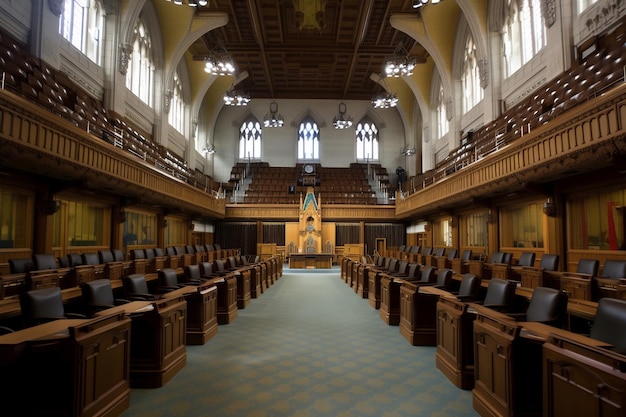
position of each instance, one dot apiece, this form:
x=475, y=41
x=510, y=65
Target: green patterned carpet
x=308, y=347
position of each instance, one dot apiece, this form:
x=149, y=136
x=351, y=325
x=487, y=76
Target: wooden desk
x=157, y=350
x=311, y=260
x=582, y=379
x=418, y=313
x=390, y=299
x=75, y=367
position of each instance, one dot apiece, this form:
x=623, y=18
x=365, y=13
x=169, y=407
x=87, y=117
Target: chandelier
x=419, y=3
x=384, y=100
x=342, y=120
x=219, y=62
x=273, y=118
x=191, y=3
x=236, y=98
x=399, y=64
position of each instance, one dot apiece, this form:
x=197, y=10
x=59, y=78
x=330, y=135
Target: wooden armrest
x=576, y=275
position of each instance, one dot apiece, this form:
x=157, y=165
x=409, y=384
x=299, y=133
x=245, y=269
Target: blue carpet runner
x=307, y=347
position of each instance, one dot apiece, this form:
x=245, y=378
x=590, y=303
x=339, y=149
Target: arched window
x=176, y=116
x=82, y=24
x=524, y=33
x=443, y=125
x=140, y=75
x=308, y=140
x=470, y=77
x=250, y=139
x=366, y=140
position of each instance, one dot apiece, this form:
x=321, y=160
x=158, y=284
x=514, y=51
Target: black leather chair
x=136, y=288
x=206, y=270
x=168, y=280
x=43, y=261
x=500, y=295
x=547, y=306
x=106, y=256
x=402, y=269
x=526, y=259
x=43, y=305
x=428, y=276
x=468, y=289
x=98, y=296
x=444, y=279
x=579, y=284
x=610, y=323
x=193, y=274
x=21, y=265
x=91, y=258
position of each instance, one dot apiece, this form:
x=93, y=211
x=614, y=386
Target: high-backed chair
x=448, y=259
x=206, y=270
x=428, y=276
x=168, y=280
x=193, y=274
x=136, y=288
x=547, y=306
x=610, y=323
x=612, y=280
x=43, y=261
x=21, y=265
x=499, y=295
x=579, y=284
x=98, y=295
x=43, y=305
x=468, y=289
x=444, y=279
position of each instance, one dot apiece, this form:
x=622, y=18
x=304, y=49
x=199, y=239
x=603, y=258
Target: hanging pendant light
x=273, y=118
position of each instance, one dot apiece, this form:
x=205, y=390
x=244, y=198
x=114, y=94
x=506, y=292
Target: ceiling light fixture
x=273, y=118
x=420, y=3
x=191, y=3
x=310, y=15
x=399, y=64
x=236, y=98
x=383, y=98
x=342, y=120
x=219, y=62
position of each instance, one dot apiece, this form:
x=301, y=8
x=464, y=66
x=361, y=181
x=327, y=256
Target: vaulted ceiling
x=333, y=60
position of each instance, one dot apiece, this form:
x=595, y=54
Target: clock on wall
x=308, y=169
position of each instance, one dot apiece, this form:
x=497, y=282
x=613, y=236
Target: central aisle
x=308, y=346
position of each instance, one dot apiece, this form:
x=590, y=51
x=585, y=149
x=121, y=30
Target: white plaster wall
x=279, y=145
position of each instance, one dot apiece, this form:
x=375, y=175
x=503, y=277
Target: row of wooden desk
x=514, y=368
x=86, y=367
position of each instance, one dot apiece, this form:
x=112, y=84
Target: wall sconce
x=549, y=208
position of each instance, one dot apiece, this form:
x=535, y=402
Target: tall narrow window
x=443, y=125
x=176, y=116
x=524, y=33
x=366, y=141
x=250, y=139
x=470, y=78
x=308, y=140
x=140, y=74
x=82, y=24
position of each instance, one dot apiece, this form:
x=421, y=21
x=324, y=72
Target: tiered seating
x=596, y=72
x=29, y=77
x=271, y=185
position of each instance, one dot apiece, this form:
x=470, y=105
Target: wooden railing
x=584, y=136
x=52, y=146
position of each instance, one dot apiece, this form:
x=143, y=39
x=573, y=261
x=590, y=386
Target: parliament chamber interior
x=481, y=212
